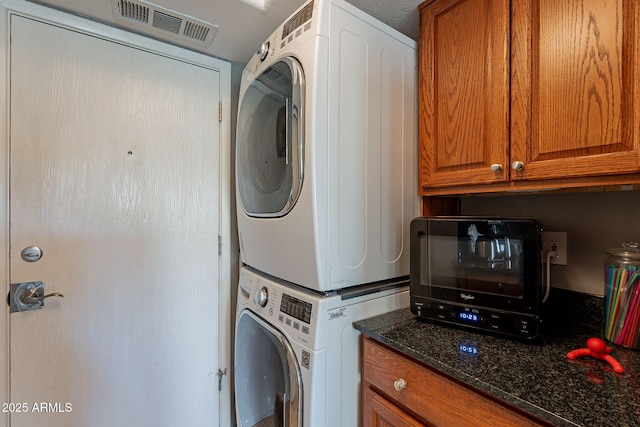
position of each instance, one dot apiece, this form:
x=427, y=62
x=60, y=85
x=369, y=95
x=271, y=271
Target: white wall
x=594, y=222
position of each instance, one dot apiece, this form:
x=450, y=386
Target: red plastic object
x=597, y=349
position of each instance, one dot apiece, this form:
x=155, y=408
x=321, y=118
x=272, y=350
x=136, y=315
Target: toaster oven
x=479, y=273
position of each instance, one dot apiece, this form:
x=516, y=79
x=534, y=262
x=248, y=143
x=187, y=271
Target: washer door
x=270, y=140
x=268, y=384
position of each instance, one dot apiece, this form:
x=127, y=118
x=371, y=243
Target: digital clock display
x=468, y=349
x=469, y=317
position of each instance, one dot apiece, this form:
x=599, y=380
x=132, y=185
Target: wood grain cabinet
x=398, y=391
x=528, y=94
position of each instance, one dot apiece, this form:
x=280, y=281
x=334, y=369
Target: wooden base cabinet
x=528, y=94
x=379, y=412
x=398, y=391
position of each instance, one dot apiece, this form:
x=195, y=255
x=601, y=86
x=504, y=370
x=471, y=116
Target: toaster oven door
x=488, y=262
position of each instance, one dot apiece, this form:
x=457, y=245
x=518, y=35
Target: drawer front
x=430, y=395
x=379, y=412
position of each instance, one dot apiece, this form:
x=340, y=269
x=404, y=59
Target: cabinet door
x=378, y=412
x=464, y=92
x=574, y=88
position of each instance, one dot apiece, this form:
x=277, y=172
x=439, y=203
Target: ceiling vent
x=165, y=24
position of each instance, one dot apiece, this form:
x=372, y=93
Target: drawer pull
x=400, y=384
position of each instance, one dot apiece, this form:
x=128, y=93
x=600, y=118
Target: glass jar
x=622, y=295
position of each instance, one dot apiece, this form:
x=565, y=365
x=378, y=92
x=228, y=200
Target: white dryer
x=297, y=355
x=326, y=164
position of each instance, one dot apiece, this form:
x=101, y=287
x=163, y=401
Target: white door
x=114, y=168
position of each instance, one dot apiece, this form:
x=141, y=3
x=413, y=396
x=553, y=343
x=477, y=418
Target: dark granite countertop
x=538, y=379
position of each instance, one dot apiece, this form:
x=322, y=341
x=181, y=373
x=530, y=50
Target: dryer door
x=268, y=383
x=270, y=140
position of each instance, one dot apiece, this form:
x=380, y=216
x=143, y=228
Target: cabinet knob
x=400, y=384
x=496, y=167
x=517, y=165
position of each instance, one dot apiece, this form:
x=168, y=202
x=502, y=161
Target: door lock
x=28, y=296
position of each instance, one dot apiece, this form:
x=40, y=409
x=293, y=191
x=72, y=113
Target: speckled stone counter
x=538, y=379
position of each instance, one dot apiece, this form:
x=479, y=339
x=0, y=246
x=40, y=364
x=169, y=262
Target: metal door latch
x=27, y=296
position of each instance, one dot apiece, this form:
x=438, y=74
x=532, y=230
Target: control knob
x=264, y=50
x=262, y=296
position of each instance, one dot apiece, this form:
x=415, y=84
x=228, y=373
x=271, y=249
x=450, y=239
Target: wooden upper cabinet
x=574, y=88
x=463, y=102
x=547, y=89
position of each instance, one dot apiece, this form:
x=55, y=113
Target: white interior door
x=114, y=168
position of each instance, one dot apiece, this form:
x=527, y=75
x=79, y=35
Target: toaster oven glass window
x=474, y=260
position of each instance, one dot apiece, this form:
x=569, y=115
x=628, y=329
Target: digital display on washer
x=294, y=307
x=296, y=20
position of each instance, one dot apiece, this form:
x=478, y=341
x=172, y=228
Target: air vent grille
x=133, y=11
x=167, y=22
x=196, y=31
x=158, y=22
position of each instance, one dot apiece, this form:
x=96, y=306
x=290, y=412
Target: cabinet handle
x=517, y=165
x=496, y=167
x=400, y=384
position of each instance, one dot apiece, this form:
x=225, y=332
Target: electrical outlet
x=555, y=241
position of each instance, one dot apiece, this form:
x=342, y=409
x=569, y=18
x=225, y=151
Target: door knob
x=28, y=296
x=33, y=297
x=496, y=167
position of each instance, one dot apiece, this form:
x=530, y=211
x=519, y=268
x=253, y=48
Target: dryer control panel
x=303, y=15
x=287, y=35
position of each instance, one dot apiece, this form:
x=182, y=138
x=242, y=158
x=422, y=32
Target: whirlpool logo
x=467, y=297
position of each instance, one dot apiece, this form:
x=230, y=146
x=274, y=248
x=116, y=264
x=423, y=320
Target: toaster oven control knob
x=262, y=296
x=517, y=165
x=400, y=384
x=496, y=168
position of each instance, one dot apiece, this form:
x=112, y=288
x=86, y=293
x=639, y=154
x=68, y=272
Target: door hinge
x=219, y=245
x=221, y=373
x=219, y=111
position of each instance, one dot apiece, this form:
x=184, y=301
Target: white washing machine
x=297, y=357
x=326, y=150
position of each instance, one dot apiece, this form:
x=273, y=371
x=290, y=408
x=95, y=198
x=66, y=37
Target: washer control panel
x=288, y=308
x=295, y=312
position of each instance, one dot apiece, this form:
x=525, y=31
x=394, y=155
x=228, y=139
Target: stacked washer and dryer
x=326, y=176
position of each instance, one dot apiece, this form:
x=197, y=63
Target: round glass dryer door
x=270, y=142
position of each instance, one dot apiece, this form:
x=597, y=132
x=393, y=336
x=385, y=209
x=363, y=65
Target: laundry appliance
x=297, y=357
x=326, y=165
